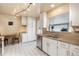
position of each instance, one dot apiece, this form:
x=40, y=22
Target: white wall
x=5, y=28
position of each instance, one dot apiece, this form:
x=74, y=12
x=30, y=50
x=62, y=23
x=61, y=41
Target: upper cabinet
x=74, y=17
x=63, y=49
x=50, y=46
x=74, y=14
x=24, y=20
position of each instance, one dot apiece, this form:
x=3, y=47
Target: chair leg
x=18, y=40
x=7, y=41
x=13, y=41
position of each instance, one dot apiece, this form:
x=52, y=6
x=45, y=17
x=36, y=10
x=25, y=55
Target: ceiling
x=13, y=8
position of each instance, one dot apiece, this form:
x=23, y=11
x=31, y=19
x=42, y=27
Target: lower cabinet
x=50, y=46
x=74, y=53
x=74, y=50
x=57, y=48
x=63, y=49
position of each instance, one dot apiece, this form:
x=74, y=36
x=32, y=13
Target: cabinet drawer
x=53, y=41
x=62, y=44
x=74, y=47
x=44, y=38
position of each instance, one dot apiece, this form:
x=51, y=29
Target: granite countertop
x=67, y=37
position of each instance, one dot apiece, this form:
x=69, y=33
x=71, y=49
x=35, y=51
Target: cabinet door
x=52, y=47
x=74, y=14
x=45, y=45
x=63, y=49
x=74, y=53
x=74, y=50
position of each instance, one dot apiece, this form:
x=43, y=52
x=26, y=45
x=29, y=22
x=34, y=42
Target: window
x=59, y=23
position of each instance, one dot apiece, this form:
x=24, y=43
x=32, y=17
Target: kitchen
x=59, y=36
x=53, y=27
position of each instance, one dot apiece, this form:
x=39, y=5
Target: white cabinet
x=24, y=20
x=53, y=48
x=24, y=37
x=74, y=50
x=63, y=49
x=74, y=14
x=50, y=46
x=74, y=53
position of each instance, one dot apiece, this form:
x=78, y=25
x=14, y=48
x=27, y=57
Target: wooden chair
x=17, y=38
x=5, y=41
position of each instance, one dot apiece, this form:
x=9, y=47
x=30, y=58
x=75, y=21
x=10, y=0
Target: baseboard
x=29, y=41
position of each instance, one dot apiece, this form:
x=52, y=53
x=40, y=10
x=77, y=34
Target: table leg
x=2, y=45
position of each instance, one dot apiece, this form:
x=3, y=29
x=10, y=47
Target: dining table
x=11, y=38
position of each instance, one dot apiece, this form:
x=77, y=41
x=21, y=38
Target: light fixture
x=27, y=8
x=52, y=5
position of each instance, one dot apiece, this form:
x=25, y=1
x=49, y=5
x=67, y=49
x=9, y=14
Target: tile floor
x=23, y=49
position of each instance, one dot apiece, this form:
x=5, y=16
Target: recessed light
x=33, y=3
x=28, y=9
x=14, y=16
x=52, y=5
